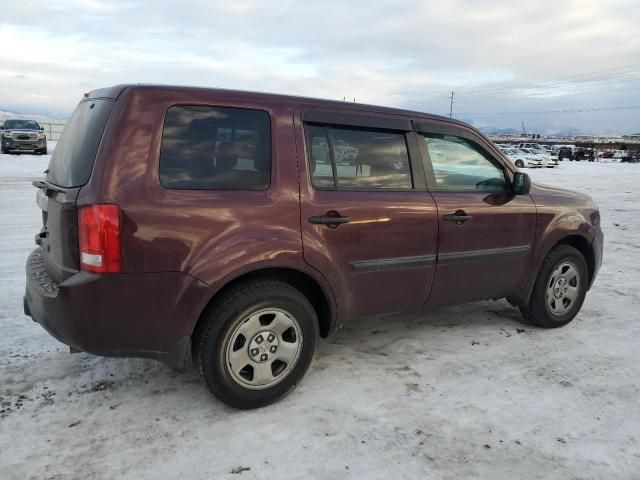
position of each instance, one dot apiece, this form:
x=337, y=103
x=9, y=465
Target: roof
x=115, y=91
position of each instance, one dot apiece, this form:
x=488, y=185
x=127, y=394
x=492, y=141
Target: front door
x=486, y=232
x=368, y=223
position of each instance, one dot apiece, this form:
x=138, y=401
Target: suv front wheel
x=257, y=343
x=559, y=290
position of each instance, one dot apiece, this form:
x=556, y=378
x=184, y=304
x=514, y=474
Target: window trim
x=271, y=150
x=414, y=163
x=356, y=119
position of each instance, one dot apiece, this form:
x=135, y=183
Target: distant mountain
x=22, y=116
x=563, y=132
x=499, y=131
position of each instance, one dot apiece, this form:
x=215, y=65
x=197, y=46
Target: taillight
x=99, y=234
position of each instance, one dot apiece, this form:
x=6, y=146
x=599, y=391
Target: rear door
x=368, y=223
x=486, y=232
x=69, y=169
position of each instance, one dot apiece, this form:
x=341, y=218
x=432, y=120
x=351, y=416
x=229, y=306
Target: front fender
x=560, y=216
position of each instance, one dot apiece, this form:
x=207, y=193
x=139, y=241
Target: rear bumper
x=123, y=315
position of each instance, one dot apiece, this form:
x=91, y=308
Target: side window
x=459, y=165
x=348, y=158
x=215, y=148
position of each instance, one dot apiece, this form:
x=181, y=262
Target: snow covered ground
x=462, y=392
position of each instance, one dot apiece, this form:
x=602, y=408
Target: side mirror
x=42, y=129
x=521, y=183
x=2, y=127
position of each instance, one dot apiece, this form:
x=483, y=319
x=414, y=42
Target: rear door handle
x=459, y=217
x=331, y=219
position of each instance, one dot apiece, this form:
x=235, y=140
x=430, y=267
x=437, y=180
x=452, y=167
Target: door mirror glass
x=521, y=183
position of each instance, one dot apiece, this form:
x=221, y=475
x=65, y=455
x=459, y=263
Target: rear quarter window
x=75, y=153
x=215, y=148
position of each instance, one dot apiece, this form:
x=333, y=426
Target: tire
x=550, y=306
x=241, y=324
x=43, y=151
x=519, y=164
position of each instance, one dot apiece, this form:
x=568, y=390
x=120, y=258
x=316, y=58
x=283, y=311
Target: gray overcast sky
x=390, y=53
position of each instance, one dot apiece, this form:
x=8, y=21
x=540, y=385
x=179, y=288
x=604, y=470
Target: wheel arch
x=319, y=295
x=585, y=247
x=575, y=240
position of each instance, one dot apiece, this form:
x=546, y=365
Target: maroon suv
x=233, y=229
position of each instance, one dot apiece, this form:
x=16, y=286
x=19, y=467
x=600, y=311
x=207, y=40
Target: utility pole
x=524, y=131
x=451, y=105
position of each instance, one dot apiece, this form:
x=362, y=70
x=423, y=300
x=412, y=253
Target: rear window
x=215, y=148
x=75, y=153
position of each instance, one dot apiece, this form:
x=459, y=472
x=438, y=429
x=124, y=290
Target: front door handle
x=331, y=219
x=459, y=217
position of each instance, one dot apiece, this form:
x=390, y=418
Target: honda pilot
x=231, y=230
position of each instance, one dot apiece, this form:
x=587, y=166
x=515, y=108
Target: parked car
x=23, y=136
x=535, y=146
x=520, y=159
x=631, y=157
x=539, y=150
x=545, y=159
x=216, y=227
x=565, y=152
x=583, y=153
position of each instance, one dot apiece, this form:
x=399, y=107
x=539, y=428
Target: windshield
x=21, y=125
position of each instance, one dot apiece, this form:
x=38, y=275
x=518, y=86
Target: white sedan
x=521, y=159
x=546, y=159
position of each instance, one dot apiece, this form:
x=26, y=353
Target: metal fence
x=53, y=130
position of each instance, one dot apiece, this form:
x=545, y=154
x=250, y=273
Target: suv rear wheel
x=257, y=343
x=559, y=290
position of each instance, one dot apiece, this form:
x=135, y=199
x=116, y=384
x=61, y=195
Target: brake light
x=99, y=234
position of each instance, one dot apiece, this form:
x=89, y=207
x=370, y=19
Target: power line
x=591, y=92
x=632, y=77
x=604, y=74
x=609, y=71
x=576, y=110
